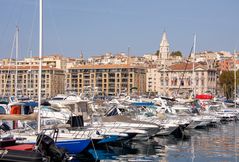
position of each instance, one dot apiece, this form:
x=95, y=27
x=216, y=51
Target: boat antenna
x=40, y=63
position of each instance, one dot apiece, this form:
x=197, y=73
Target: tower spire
x=81, y=55
x=164, y=47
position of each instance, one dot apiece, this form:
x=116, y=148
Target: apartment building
x=8, y=62
x=152, y=77
x=109, y=58
x=56, y=61
x=209, y=56
x=178, y=78
x=53, y=81
x=109, y=80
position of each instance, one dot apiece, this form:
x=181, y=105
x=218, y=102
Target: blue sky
x=99, y=26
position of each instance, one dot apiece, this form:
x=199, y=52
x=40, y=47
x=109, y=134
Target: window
x=162, y=83
x=182, y=83
x=197, y=82
x=189, y=81
x=202, y=82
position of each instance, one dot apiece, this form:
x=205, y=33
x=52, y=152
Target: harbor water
x=217, y=143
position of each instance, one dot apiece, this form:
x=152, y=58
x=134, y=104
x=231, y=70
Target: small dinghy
x=20, y=156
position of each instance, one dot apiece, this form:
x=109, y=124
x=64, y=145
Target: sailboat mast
x=17, y=50
x=40, y=62
x=235, y=79
x=193, y=78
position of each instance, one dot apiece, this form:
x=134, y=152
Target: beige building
x=108, y=79
x=152, y=77
x=56, y=61
x=178, y=78
x=7, y=62
x=209, y=56
x=109, y=58
x=27, y=81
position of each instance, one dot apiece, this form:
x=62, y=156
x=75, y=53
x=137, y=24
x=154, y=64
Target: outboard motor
x=47, y=147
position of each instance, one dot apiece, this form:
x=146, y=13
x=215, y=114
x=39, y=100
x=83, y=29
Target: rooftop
x=27, y=68
x=185, y=66
x=105, y=66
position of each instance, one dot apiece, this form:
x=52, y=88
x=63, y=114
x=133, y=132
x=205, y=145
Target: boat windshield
x=2, y=110
x=49, y=109
x=4, y=100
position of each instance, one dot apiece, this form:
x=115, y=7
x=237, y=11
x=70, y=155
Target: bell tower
x=164, y=47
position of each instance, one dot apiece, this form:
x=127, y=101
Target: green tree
x=176, y=53
x=157, y=53
x=226, y=81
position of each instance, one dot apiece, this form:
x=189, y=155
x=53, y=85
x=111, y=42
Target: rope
x=94, y=148
x=31, y=33
x=8, y=70
x=10, y=17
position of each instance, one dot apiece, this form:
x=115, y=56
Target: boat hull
x=73, y=146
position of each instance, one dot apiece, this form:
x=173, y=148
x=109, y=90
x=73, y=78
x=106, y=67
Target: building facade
x=152, y=77
x=27, y=81
x=108, y=80
x=178, y=78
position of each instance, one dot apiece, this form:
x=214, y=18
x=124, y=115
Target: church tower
x=81, y=55
x=164, y=47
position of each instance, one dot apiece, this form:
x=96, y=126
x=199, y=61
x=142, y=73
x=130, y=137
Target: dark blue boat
x=73, y=146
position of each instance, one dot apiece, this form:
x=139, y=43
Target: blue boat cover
x=143, y=103
x=30, y=103
x=109, y=139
